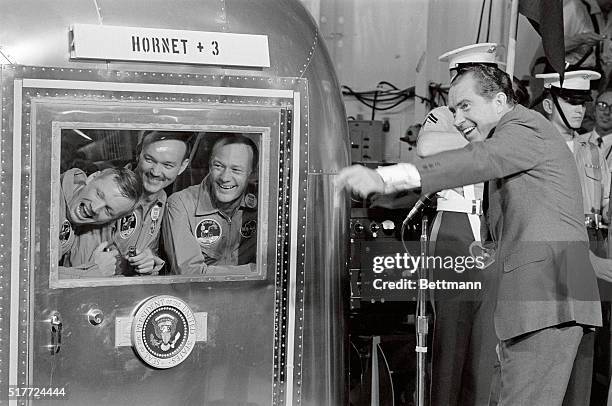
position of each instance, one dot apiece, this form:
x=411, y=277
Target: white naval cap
x=470, y=54
x=574, y=80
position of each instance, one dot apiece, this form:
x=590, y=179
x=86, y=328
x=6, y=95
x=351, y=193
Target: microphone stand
x=422, y=320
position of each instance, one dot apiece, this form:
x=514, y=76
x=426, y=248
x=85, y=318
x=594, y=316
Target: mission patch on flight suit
x=66, y=233
x=248, y=229
x=127, y=225
x=208, y=232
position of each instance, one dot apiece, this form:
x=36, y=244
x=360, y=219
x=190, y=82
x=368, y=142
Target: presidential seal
x=208, y=231
x=163, y=331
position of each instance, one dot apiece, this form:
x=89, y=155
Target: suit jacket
x=534, y=214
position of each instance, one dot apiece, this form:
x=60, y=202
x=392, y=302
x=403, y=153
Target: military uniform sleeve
x=513, y=148
x=430, y=143
x=181, y=248
x=399, y=177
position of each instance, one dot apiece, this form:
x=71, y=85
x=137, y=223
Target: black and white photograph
x=306, y=202
x=157, y=202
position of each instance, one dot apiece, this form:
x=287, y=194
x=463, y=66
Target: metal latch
x=56, y=333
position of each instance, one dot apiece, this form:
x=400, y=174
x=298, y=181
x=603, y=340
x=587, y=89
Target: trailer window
x=197, y=215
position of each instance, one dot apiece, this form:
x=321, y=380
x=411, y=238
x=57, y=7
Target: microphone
x=424, y=201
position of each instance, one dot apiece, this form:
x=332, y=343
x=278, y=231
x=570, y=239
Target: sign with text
x=172, y=46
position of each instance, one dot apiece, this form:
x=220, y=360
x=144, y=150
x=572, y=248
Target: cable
x=437, y=93
x=384, y=82
x=381, y=100
x=441, y=95
x=402, y=231
x=387, y=95
x=379, y=86
x=374, y=106
x=392, y=106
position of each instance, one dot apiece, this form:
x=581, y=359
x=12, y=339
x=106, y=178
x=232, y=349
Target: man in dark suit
x=462, y=338
x=547, y=289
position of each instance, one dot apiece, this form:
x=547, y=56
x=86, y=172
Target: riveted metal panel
x=41, y=106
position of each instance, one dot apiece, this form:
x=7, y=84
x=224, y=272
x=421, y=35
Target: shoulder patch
x=65, y=233
x=439, y=119
x=127, y=225
x=431, y=118
x=250, y=200
x=249, y=229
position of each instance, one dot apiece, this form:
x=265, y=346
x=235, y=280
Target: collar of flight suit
x=160, y=197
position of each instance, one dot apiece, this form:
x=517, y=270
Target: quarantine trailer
x=82, y=81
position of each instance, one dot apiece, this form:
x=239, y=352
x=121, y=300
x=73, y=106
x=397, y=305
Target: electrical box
x=367, y=142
